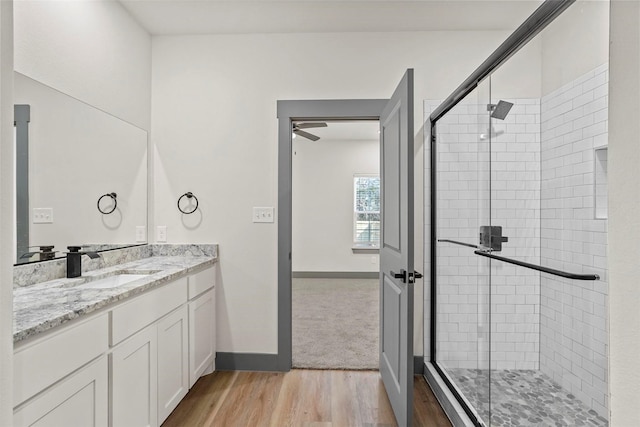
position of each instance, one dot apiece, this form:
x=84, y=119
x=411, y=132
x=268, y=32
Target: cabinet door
x=134, y=371
x=202, y=335
x=78, y=400
x=173, y=361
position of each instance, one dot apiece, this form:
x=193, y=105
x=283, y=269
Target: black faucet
x=46, y=252
x=74, y=260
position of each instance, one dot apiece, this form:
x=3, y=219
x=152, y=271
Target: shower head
x=500, y=110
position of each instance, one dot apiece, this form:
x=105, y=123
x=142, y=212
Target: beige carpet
x=335, y=323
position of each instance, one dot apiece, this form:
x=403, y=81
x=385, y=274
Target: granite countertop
x=43, y=306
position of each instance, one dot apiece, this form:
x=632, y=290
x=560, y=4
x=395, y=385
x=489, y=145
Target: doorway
x=335, y=244
x=288, y=113
x=397, y=276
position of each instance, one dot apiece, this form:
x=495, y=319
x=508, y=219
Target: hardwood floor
x=299, y=398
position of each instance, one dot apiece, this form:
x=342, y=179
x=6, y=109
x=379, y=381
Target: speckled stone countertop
x=43, y=306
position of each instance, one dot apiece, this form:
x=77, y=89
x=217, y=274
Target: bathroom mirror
x=76, y=154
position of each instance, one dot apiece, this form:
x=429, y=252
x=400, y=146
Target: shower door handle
x=402, y=275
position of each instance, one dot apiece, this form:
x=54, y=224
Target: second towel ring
x=114, y=197
x=188, y=195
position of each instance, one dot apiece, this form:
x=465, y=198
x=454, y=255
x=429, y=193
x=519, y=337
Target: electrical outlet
x=141, y=233
x=43, y=215
x=161, y=234
x=263, y=214
x=374, y=260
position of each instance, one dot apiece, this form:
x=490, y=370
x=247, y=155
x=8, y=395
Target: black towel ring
x=188, y=195
x=114, y=197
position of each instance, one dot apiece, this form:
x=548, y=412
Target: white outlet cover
x=161, y=233
x=141, y=233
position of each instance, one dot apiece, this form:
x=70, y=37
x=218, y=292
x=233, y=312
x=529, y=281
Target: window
x=366, y=215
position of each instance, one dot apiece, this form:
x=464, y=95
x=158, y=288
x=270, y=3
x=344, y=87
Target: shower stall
x=517, y=329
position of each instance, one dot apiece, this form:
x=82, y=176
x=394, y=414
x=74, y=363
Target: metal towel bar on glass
x=488, y=254
x=539, y=267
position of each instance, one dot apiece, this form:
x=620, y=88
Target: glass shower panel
x=549, y=333
x=515, y=208
x=462, y=207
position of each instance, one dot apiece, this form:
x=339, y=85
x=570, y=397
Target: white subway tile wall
x=464, y=205
x=573, y=324
x=515, y=205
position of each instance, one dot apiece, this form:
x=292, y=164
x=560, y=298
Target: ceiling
x=344, y=131
x=173, y=17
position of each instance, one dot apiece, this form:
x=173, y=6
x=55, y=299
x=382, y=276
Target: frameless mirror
x=72, y=162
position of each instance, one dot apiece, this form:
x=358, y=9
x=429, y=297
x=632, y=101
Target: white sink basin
x=112, y=281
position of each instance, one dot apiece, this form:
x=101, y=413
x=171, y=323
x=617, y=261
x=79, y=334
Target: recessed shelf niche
x=600, y=184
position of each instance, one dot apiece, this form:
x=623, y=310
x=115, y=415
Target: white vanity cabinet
x=129, y=365
x=52, y=363
x=202, y=324
x=79, y=400
x=173, y=361
x=134, y=376
x=202, y=330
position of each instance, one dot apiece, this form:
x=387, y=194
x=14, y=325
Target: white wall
x=6, y=212
x=624, y=217
x=575, y=43
x=521, y=75
x=215, y=133
x=76, y=154
x=322, y=222
x=92, y=50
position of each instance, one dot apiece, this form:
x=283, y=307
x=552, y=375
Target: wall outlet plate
x=161, y=234
x=43, y=215
x=263, y=214
x=141, y=233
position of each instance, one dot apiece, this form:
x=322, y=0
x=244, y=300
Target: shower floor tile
x=523, y=398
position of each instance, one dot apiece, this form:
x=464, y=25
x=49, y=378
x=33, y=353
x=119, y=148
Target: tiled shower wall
x=573, y=324
x=463, y=205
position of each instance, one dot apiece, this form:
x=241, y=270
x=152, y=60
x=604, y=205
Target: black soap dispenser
x=74, y=261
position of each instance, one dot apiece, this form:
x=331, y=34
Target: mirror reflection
x=81, y=175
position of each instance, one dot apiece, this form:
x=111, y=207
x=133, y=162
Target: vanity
x=119, y=346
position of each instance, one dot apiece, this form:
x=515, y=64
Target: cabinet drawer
x=79, y=400
x=202, y=281
x=131, y=317
x=48, y=360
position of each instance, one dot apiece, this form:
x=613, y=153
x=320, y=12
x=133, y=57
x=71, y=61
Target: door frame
x=289, y=111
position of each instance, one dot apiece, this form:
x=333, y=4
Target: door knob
x=402, y=275
x=417, y=275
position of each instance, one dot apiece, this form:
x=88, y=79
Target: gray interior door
x=396, y=250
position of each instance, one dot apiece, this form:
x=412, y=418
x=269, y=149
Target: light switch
x=161, y=234
x=43, y=215
x=141, y=233
x=263, y=214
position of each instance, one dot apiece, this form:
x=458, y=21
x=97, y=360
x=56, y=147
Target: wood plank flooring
x=299, y=398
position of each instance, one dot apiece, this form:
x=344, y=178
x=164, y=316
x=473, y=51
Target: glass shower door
x=463, y=206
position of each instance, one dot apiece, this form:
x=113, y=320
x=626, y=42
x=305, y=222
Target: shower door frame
x=539, y=19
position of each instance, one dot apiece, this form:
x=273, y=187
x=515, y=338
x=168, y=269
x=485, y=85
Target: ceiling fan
x=298, y=126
